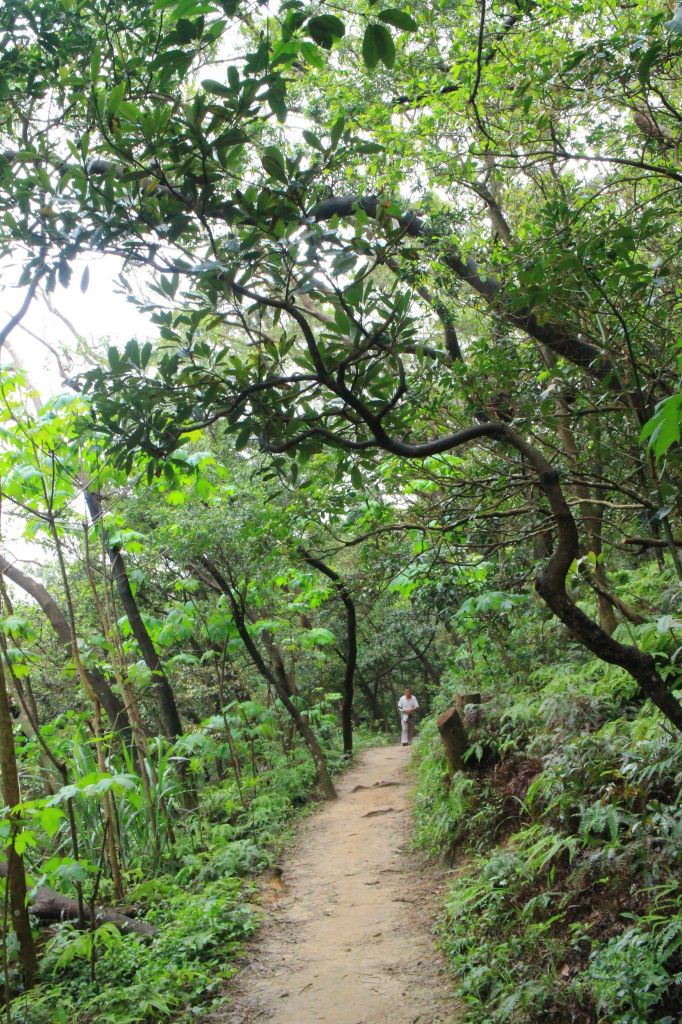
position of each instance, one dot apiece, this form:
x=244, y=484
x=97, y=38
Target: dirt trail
x=348, y=939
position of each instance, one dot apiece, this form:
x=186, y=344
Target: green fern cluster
x=566, y=830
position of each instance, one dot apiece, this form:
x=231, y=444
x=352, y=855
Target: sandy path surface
x=347, y=938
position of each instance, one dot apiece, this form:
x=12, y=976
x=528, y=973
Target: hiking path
x=348, y=930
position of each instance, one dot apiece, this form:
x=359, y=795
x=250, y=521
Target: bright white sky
x=103, y=312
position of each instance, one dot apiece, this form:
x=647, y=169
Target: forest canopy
x=408, y=408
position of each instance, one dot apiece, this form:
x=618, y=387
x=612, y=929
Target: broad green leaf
x=50, y=819
x=399, y=19
x=378, y=46
x=274, y=165
x=325, y=28
x=217, y=88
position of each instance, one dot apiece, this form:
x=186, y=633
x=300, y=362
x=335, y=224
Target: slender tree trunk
x=16, y=875
x=98, y=684
x=351, y=647
x=170, y=716
x=378, y=712
x=29, y=724
x=300, y=721
x=110, y=843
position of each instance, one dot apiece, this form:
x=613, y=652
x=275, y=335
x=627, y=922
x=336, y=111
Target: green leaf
x=24, y=839
x=399, y=19
x=337, y=131
x=274, y=165
x=216, y=88
x=115, y=98
x=176, y=497
x=277, y=101
x=648, y=61
x=50, y=819
x=312, y=140
x=378, y=45
x=325, y=28
x=318, y=636
x=664, y=428
x=243, y=438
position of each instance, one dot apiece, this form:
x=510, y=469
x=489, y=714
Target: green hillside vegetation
x=403, y=408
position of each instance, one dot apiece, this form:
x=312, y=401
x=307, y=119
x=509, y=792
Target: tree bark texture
x=300, y=721
x=454, y=738
x=15, y=873
x=351, y=647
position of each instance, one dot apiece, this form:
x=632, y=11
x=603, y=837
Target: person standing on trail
x=407, y=706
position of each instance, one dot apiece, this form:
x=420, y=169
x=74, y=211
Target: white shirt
x=408, y=703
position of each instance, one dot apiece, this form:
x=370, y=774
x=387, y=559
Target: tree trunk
x=300, y=721
x=50, y=905
x=377, y=711
x=351, y=647
x=99, y=684
x=15, y=873
x=454, y=738
x=170, y=717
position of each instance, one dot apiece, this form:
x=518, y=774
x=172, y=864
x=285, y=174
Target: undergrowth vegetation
x=565, y=831
x=340, y=351
x=194, y=886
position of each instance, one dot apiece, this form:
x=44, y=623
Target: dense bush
x=199, y=897
x=566, y=834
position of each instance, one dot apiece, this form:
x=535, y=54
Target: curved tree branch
x=561, y=340
x=273, y=679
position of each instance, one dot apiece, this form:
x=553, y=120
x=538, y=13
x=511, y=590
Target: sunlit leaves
x=318, y=636
x=664, y=428
x=93, y=785
x=179, y=625
x=495, y=601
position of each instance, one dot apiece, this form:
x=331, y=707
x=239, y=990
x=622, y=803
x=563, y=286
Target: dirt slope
x=347, y=938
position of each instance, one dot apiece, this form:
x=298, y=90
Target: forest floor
x=348, y=934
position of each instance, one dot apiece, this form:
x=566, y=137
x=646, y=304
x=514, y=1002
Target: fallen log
x=49, y=905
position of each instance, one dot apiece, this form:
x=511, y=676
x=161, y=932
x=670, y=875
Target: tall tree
x=55, y=616
x=169, y=714
x=350, y=646
x=16, y=875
